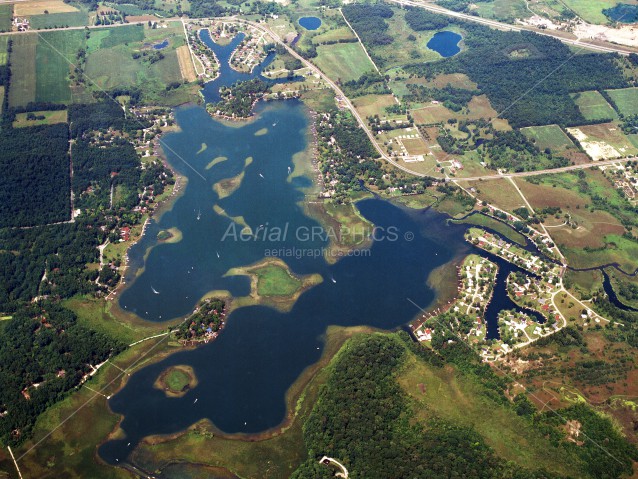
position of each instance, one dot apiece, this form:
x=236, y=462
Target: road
x=610, y=48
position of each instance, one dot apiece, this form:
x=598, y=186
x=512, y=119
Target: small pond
x=159, y=46
x=445, y=43
x=310, y=23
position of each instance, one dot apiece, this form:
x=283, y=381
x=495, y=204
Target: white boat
x=261, y=175
x=154, y=290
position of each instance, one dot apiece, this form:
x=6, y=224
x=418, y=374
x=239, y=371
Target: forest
x=512, y=68
x=35, y=184
x=44, y=353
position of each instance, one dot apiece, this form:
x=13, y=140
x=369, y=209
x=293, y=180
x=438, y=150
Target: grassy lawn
x=54, y=57
x=333, y=35
x=593, y=106
x=501, y=228
x=177, y=379
x=591, y=10
x=626, y=100
x=274, y=280
x=504, y=10
x=343, y=61
x=23, y=70
x=549, y=136
x=50, y=117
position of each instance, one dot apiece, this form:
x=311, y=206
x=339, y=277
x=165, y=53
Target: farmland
x=6, y=14
x=4, y=56
x=370, y=105
x=604, y=140
x=625, y=100
x=343, y=61
x=591, y=10
x=53, y=20
x=50, y=118
x=54, y=57
x=593, y=106
x=22, y=89
x=40, y=7
x=549, y=136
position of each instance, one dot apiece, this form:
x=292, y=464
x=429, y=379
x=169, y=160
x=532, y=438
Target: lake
x=245, y=373
x=445, y=43
x=310, y=23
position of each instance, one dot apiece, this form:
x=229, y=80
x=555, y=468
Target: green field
x=625, y=100
x=110, y=37
x=343, y=61
x=23, y=70
x=53, y=20
x=503, y=10
x=593, y=106
x=55, y=55
x=6, y=15
x=591, y=10
x=333, y=35
x=273, y=280
x=4, y=56
x=549, y=136
x=50, y=117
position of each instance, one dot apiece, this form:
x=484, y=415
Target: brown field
x=370, y=105
x=416, y=146
x=431, y=114
x=50, y=118
x=593, y=226
x=38, y=7
x=457, y=80
x=603, y=141
x=480, y=107
x=500, y=193
x=22, y=89
x=186, y=66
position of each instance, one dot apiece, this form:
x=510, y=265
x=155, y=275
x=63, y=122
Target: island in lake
x=176, y=381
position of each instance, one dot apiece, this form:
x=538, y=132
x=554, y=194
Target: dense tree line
x=100, y=116
x=452, y=98
x=420, y=19
x=238, y=100
x=533, y=86
x=35, y=184
x=369, y=22
x=366, y=84
x=44, y=353
x=513, y=151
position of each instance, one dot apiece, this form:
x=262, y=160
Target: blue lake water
x=310, y=23
x=445, y=43
x=159, y=46
x=245, y=373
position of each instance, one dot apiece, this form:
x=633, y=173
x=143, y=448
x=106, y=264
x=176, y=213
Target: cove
x=310, y=23
x=445, y=43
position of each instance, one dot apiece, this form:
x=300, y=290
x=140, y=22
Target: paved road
x=583, y=166
x=516, y=28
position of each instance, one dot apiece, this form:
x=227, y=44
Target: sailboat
x=333, y=280
x=261, y=175
x=154, y=290
x=199, y=215
x=217, y=253
x=288, y=170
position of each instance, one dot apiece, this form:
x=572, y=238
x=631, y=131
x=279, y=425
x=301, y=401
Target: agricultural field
x=334, y=35
x=23, y=71
x=625, y=100
x=553, y=9
x=4, y=56
x=587, y=236
x=57, y=20
x=370, y=105
x=503, y=10
x=55, y=54
x=41, y=7
x=603, y=141
x=549, y=136
x=343, y=61
x=50, y=117
x=6, y=16
x=592, y=10
x=593, y=106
